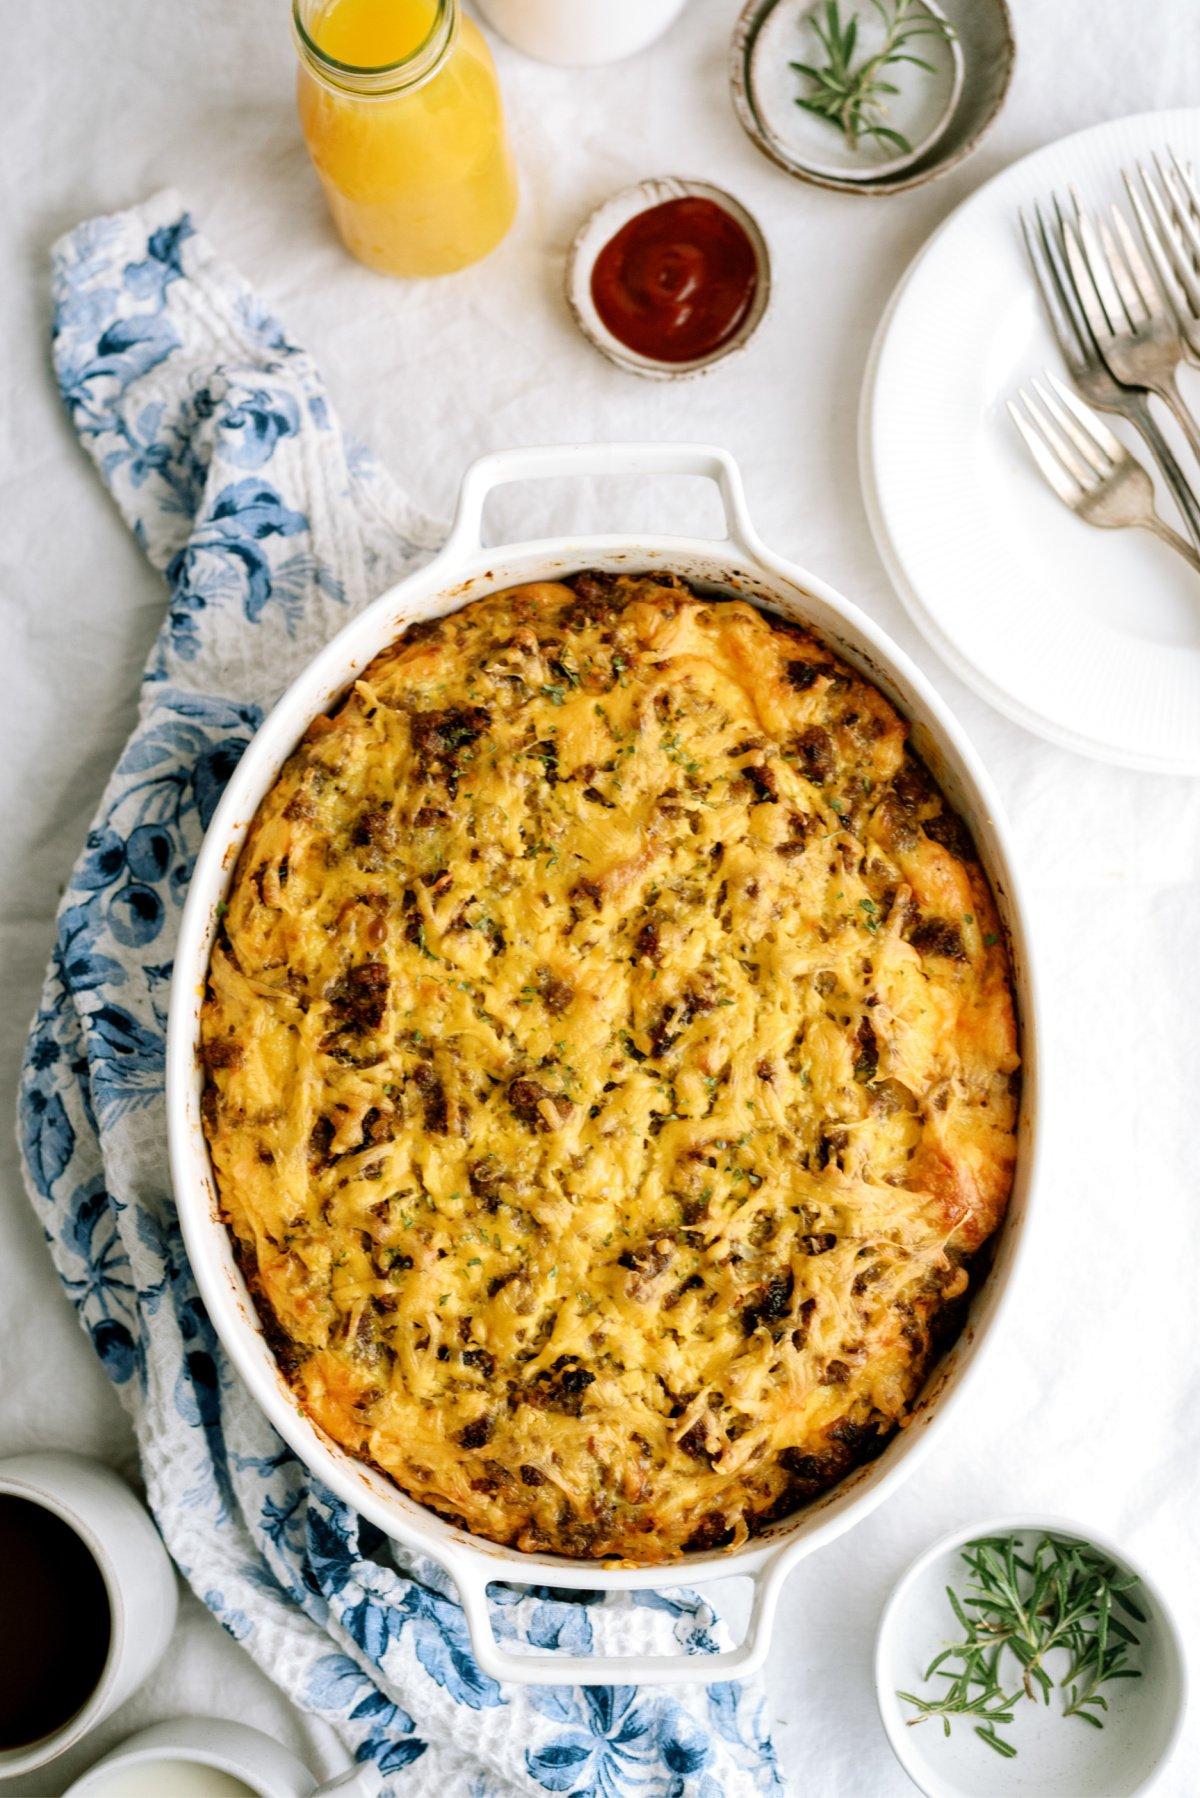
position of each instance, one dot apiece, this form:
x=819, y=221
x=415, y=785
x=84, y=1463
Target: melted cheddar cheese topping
x=610, y=1067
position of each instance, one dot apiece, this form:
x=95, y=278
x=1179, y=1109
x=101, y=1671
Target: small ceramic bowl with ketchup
x=669, y=277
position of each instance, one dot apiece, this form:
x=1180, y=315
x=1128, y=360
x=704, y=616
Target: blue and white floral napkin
x=213, y=433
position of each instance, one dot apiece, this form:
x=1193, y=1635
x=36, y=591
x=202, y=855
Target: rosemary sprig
x=1065, y=1595
x=854, y=99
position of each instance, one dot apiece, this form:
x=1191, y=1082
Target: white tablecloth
x=1089, y=1403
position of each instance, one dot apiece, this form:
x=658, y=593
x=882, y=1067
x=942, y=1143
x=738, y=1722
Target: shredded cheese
x=611, y=1067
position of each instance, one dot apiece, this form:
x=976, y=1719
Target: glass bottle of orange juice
x=402, y=116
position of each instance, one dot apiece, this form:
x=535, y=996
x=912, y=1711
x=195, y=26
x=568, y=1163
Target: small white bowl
x=920, y=111
x=604, y=224
x=1054, y=1754
x=263, y=1767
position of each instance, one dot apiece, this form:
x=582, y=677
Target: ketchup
x=675, y=282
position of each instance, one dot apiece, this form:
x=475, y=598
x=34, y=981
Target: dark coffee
x=55, y=1622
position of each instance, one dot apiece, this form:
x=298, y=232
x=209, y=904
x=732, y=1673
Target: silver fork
x=1135, y=330
x=1172, y=238
x=1089, y=469
x=1087, y=369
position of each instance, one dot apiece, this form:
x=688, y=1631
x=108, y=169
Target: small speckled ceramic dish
x=1055, y=1754
x=973, y=85
x=604, y=224
x=920, y=110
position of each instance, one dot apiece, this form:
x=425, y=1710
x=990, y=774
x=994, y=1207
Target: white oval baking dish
x=738, y=564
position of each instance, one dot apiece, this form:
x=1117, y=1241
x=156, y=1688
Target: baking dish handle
x=559, y=460
x=472, y=1579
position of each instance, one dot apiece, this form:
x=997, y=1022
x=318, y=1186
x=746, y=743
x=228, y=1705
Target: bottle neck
x=384, y=80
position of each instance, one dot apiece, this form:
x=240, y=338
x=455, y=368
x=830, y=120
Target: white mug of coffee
x=87, y=1602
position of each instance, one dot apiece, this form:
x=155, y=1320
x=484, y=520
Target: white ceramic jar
x=138, y=1578
x=578, y=33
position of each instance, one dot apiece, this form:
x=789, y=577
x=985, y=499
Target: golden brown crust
x=612, y=1065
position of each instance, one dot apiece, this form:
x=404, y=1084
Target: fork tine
x=1178, y=281
x=1093, y=458
x=1123, y=281
x=1187, y=176
x=1148, y=292
x=1164, y=202
x=1091, y=421
x=1084, y=475
x=1085, y=354
x=1108, y=316
x=1063, y=322
x=1085, y=290
x=1181, y=213
x=1056, y=477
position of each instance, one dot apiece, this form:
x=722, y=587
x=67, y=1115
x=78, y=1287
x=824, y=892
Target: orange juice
x=402, y=116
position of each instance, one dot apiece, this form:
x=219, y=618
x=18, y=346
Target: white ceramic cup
x=138, y=1577
x=263, y=1766
x=578, y=33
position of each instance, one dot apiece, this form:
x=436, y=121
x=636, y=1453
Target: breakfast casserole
x=610, y=1068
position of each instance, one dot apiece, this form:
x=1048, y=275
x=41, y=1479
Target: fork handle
x=1137, y=411
x=1169, y=392
x=1165, y=534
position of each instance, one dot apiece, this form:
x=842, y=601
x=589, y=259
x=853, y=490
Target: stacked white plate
x=1090, y=637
